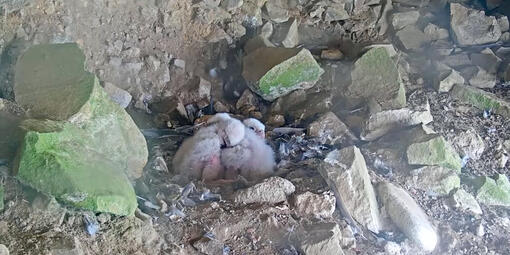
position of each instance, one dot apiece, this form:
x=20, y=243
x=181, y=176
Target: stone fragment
x=479, y=77
x=219, y=106
x=118, y=95
x=299, y=105
x=236, y=30
x=493, y=191
x=481, y=99
x=436, y=180
x=331, y=130
x=318, y=205
x=380, y=123
x=465, y=201
x=257, y=42
x=448, y=78
x=231, y=5
x=66, y=92
x=392, y=248
x=375, y=76
x=433, y=151
x=487, y=60
x=407, y=215
x=4, y=250
x=272, y=190
x=335, y=12
x=276, y=120
x=332, y=54
x=469, y=143
x=247, y=102
x=274, y=72
x=267, y=30
x=292, y=38
x=277, y=10
x=252, y=12
x=209, y=246
x=404, y=19
x=321, y=238
x=502, y=159
x=434, y=33
x=412, y=38
x=197, y=91
x=457, y=60
x=472, y=27
x=346, y=173
x=504, y=25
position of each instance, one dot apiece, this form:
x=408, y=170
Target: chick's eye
x=252, y=128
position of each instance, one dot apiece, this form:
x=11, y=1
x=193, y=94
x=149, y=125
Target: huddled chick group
x=224, y=149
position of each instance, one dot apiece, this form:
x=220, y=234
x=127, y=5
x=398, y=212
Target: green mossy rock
x=375, y=76
x=493, y=191
x=481, y=99
x=434, y=151
x=275, y=72
x=66, y=92
x=61, y=164
x=80, y=146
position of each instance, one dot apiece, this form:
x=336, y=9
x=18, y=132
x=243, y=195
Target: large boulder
x=80, y=147
x=346, y=173
x=61, y=164
x=275, y=72
x=472, y=27
x=66, y=92
x=375, y=76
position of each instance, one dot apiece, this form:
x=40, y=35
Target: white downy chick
x=252, y=158
x=257, y=126
x=199, y=155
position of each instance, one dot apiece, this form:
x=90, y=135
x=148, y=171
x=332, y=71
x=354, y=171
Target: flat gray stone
x=403, y=19
x=472, y=27
x=412, y=38
x=321, y=238
x=318, y=205
x=381, y=123
x=331, y=130
x=272, y=190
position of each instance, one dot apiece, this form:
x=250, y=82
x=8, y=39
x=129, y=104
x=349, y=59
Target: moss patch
x=61, y=164
x=435, y=151
x=494, y=191
x=481, y=99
